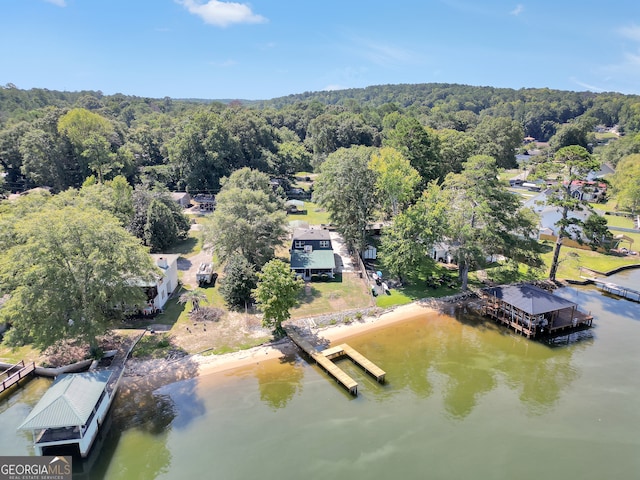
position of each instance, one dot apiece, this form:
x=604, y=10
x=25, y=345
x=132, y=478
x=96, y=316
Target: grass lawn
x=189, y=246
x=414, y=291
x=618, y=221
x=421, y=285
x=314, y=215
x=13, y=355
x=610, y=206
x=571, y=259
x=345, y=292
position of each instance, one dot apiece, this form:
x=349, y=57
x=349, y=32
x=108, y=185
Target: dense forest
x=58, y=139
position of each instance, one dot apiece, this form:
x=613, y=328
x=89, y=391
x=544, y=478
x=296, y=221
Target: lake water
x=463, y=399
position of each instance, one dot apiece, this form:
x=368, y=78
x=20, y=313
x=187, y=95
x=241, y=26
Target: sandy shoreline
x=211, y=364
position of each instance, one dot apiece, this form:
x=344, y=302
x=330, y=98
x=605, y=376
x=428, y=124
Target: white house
x=166, y=281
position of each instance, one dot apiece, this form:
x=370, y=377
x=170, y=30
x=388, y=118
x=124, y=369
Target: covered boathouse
x=69, y=414
x=532, y=311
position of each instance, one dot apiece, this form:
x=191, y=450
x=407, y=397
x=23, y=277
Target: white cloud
x=518, y=10
x=222, y=14
x=632, y=32
x=59, y=3
x=330, y=88
x=587, y=86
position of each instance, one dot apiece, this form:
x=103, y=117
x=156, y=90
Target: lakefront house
x=312, y=253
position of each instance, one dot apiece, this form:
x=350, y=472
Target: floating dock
x=325, y=360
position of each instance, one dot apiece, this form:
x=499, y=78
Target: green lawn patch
x=313, y=214
x=573, y=259
x=189, y=246
x=345, y=292
x=13, y=355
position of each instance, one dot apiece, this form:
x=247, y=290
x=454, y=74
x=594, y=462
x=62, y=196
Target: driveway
x=343, y=259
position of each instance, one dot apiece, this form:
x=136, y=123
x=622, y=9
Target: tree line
x=57, y=139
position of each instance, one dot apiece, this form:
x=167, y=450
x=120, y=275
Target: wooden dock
x=356, y=357
x=331, y=368
x=617, y=290
x=14, y=378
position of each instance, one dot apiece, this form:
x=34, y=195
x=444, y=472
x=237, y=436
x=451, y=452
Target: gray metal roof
x=68, y=402
x=530, y=299
x=311, y=234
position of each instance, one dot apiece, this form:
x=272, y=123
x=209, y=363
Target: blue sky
x=269, y=48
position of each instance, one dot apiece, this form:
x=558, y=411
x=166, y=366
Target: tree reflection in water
x=279, y=381
x=470, y=357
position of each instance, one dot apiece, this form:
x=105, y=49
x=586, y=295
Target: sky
x=270, y=48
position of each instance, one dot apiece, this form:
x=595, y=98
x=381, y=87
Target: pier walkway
x=13, y=378
x=331, y=368
x=367, y=365
x=617, y=290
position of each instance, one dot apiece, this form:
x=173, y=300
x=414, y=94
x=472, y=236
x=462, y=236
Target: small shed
x=181, y=198
x=370, y=253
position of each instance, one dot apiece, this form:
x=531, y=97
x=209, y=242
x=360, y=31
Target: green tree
x=413, y=140
x=249, y=219
x=203, y=151
x=290, y=158
x=568, y=165
x=483, y=218
x=195, y=297
x=238, y=282
x=499, y=138
x=626, y=183
x=615, y=151
x=249, y=179
x=596, y=231
x=578, y=132
x=455, y=148
x=413, y=232
x=396, y=179
x=114, y=196
x=90, y=134
x=68, y=275
x=276, y=293
x=142, y=198
x=346, y=188
x=160, y=231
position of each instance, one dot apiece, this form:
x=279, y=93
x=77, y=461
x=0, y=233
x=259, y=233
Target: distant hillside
x=452, y=97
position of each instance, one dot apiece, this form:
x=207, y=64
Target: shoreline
x=215, y=364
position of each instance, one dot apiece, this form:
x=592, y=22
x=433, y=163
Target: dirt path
x=189, y=265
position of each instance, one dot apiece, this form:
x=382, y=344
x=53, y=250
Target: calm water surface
x=464, y=399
